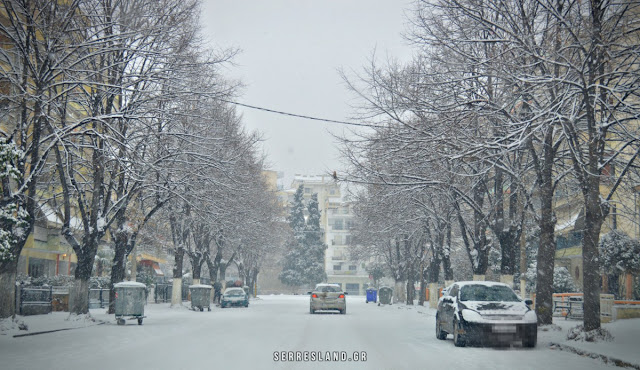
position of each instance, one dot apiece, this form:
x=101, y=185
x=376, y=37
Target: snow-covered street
x=384, y=337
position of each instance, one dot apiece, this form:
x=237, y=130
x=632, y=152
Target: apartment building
x=337, y=222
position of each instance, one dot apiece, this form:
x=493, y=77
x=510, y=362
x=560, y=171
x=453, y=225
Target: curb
x=596, y=356
x=55, y=330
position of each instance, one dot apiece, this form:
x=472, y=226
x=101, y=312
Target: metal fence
x=34, y=301
x=162, y=292
x=98, y=298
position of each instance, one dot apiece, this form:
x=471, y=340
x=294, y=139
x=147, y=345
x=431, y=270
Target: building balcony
x=340, y=272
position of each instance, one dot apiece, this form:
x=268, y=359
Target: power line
x=296, y=115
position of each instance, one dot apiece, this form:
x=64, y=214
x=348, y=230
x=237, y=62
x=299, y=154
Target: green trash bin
x=130, y=301
x=200, y=297
x=384, y=295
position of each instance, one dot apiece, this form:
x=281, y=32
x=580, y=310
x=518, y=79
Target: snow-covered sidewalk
x=623, y=348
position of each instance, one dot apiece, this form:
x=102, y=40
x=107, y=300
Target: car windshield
x=328, y=289
x=496, y=293
x=234, y=293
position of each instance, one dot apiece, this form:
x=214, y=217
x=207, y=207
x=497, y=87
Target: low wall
x=626, y=310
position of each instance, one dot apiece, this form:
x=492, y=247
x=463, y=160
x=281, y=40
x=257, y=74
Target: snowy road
x=389, y=337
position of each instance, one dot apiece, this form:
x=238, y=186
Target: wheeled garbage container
x=200, y=297
x=386, y=294
x=372, y=295
x=130, y=301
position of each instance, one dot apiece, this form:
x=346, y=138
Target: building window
x=338, y=239
x=337, y=267
x=36, y=267
x=348, y=239
x=352, y=288
x=307, y=190
x=353, y=267
x=337, y=224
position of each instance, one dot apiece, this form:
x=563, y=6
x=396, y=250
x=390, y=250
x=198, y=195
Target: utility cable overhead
x=296, y=115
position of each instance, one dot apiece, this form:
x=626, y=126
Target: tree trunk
x=118, y=274
x=196, y=265
x=545, y=260
x=507, y=279
x=176, y=292
x=254, y=280
x=593, y=217
x=223, y=271
x=423, y=286
x=79, y=296
x=411, y=291
x=433, y=295
x=8, y=288
x=399, y=292
x=79, y=292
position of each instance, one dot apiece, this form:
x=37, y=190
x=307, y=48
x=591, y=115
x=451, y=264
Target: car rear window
x=497, y=293
x=234, y=293
x=329, y=289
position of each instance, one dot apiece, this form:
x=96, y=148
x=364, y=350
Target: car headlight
x=530, y=317
x=471, y=316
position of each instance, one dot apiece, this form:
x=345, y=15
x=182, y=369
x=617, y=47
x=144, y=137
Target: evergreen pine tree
x=304, y=260
x=314, y=245
x=293, y=267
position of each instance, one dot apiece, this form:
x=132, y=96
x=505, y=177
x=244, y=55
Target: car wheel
x=530, y=341
x=344, y=312
x=440, y=334
x=312, y=311
x=458, y=341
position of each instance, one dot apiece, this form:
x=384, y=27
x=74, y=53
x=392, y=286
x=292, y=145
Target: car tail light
x=341, y=296
x=314, y=295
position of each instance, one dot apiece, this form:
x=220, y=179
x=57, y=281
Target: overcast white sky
x=291, y=50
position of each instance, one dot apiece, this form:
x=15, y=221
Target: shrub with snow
x=619, y=253
x=597, y=335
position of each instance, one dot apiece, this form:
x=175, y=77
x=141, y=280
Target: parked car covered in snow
x=328, y=297
x=485, y=312
x=234, y=297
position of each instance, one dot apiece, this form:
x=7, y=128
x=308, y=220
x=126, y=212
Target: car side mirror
x=309, y=293
x=447, y=300
x=346, y=293
x=528, y=302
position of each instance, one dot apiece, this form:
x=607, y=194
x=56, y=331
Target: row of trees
x=112, y=120
x=504, y=104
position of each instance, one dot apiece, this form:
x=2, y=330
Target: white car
x=234, y=297
x=486, y=313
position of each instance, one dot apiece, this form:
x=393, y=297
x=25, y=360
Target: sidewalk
x=55, y=321
x=622, y=351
